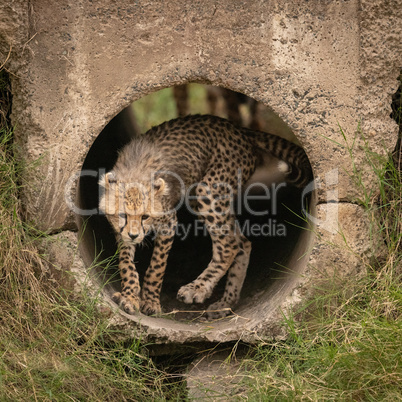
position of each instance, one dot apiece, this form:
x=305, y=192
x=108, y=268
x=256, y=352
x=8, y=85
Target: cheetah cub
x=151, y=178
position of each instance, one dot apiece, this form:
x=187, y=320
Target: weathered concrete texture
x=14, y=34
x=380, y=65
x=317, y=64
x=217, y=377
x=66, y=268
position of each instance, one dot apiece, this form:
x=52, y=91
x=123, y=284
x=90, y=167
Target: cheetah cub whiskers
x=148, y=181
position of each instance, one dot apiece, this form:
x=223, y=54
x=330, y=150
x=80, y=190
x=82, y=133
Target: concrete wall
x=320, y=65
x=77, y=64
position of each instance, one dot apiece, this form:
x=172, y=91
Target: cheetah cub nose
x=133, y=236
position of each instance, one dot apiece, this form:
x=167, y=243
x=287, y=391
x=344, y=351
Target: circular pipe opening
x=278, y=237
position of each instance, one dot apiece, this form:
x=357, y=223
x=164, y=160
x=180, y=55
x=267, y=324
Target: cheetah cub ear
x=159, y=186
x=110, y=178
x=107, y=179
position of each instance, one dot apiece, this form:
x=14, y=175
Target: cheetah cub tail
x=293, y=161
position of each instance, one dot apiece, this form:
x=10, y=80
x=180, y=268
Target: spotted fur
x=150, y=178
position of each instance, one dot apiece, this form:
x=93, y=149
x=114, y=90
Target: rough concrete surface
x=320, y=65
x=216, y=377
x=76, y=65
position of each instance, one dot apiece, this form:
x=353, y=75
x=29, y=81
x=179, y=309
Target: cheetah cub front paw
x=194, y=292
x=151, y=307
x=130, y=304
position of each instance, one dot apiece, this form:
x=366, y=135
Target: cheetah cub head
x=131, y=208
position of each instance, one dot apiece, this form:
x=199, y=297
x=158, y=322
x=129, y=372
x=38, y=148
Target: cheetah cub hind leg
x=234, y=283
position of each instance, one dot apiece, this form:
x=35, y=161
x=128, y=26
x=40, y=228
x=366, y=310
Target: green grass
x=53, y=346
x=344, y=345
x=157, y=107
x=348, y=347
